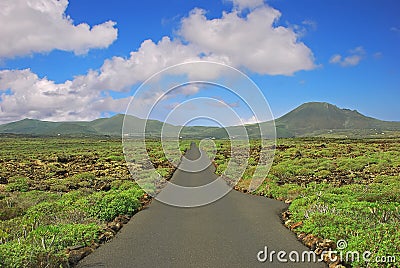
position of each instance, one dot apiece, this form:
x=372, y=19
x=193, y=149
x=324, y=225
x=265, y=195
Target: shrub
x=44, y=246
x=17, y=184
x=61, y=236
x=16, y=254
x=126, y=185
x=286, y=191
x=107, y=205
x=115, y=184
x=85, y=176
x=117, y=158
x=323, y=173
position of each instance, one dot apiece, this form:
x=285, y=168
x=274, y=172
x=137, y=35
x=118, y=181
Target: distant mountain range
x=309, y=119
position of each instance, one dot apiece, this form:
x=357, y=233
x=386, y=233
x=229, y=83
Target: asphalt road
x=229, y=232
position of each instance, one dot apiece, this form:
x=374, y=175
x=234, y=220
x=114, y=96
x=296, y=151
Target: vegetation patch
x=60, y=198
x=338, y=189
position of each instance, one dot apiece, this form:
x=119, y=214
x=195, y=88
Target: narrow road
x=227, y=233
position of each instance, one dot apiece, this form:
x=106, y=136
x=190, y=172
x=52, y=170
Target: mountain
x=103, y=126
x=313, y=118
x=37, y=127
x=309, y=119
x=113, y=126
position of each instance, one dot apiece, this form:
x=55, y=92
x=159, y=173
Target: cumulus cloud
x=32, y=97
x=42, y=26
x=119, y=73
x=354, y=58
x=252, y=42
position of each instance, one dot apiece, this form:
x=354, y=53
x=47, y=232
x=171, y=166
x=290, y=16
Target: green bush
x=117, y=158
x=44, y=246
x=61, y=236
x=17, y=184
x=126, y=185
x=323, y=173
x=15, y=255
x=286, y=191
x=115, y=184
x=108, y=205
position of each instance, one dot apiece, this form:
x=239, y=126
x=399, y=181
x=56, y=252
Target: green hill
x=28, y=126
x=309, y=119
x=103, y=126
x=314, y=118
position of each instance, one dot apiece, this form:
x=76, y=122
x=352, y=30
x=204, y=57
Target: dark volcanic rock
x=3, y=180
x=74, y=256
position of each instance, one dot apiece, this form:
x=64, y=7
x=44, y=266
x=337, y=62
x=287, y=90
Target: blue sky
x=344, y=52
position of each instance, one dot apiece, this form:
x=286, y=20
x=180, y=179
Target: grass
x=338, y=189
x=59, y=193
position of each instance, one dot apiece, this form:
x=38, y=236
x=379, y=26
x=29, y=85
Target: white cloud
x=351, y=60
x=250, y=4
x=395, y=29
x=355, y=57
x=378, y=55
x=42, y=26
x=119, y=73
x=187, y=90
x=358, y=50
x=248, y=121
x=310, y=23
x=304, y=28
x=252, y=42
x=336, y=58
x=34, y=97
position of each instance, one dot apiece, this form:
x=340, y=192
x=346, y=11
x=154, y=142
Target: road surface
x=227, y=233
